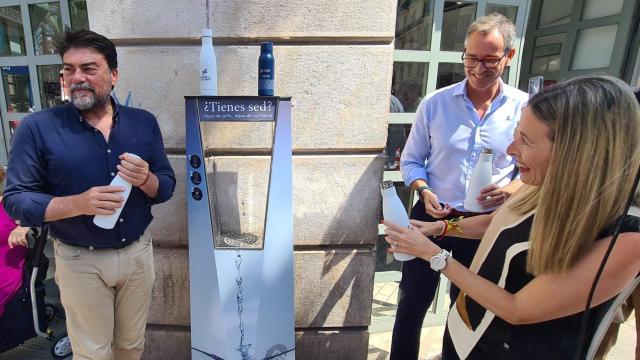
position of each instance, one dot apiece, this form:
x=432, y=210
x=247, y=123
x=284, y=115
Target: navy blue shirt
x=56, y=153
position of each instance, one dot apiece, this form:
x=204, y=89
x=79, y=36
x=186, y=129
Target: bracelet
x=444, y=228
x=145, y=180
x=450, y=225
x=421, y=188
x=453, y=224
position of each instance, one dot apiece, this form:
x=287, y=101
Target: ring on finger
x=489, y=197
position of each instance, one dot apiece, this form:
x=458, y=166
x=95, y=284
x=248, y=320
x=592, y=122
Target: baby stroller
x=26, y=315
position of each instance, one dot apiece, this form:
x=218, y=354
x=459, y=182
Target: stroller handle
x=40, y=239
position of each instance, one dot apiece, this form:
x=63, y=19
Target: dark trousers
x=418, y=288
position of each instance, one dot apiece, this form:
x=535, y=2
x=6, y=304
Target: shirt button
x=121, y=220
x=91, y=248
x=108, y=151
x=113, y=174
x=123, y=240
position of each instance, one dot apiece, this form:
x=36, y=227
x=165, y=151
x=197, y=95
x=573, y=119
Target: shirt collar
x=461, y=89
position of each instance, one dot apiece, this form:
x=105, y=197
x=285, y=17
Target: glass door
x=29, y=65
x=576, y=37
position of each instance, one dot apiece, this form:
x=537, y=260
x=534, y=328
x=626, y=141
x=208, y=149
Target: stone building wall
x=334, y=59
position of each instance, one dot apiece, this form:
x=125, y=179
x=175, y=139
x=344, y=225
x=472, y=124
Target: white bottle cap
x=386, y=185
x=207, y=33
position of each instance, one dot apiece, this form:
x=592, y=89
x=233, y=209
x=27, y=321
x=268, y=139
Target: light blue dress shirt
x=448, y=136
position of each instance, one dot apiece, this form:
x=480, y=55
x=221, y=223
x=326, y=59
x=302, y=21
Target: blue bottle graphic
x=266, y=70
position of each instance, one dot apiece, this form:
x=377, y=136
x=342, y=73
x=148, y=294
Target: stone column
x=334, y=58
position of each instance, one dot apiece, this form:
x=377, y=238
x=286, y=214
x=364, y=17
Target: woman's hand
x=409, y=241
x=18, y=237
x=428, y=228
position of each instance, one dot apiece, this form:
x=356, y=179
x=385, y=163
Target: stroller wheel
x=62, y=347
x=50, y=311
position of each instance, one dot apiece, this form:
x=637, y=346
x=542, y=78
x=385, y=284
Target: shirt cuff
x=166, y=185
x=34, y=209
x=414, y=174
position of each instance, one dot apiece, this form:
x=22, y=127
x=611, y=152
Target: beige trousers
x=106, y=295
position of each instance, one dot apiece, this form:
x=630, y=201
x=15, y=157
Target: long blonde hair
x=595, y=129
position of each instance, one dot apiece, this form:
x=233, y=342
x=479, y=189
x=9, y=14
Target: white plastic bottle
x=208, y=65
x=393, y=210
x=109, y=221
x=481, y=177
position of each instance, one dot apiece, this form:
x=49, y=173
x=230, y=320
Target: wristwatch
x=439, y=260
x=422, y=188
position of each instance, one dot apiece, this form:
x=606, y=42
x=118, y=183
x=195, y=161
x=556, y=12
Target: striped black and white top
x=502, y=259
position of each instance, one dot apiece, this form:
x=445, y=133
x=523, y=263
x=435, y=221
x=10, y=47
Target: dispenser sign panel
x=236, y=109
x=240, y=266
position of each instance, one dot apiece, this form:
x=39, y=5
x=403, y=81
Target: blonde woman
x=578, y=148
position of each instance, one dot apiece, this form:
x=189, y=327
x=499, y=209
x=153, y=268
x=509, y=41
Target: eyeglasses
x=491, y=63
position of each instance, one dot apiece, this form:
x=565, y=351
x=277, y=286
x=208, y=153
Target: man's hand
x=18, y=237
x=432, y=205
x=134, y=170
x=492, y=195
x=101, y=200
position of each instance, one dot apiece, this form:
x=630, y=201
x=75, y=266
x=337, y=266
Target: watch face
x=438, y=262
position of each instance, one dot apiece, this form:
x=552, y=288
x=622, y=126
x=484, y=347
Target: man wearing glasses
x=452, y=126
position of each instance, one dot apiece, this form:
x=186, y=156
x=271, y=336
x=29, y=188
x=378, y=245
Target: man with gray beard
x=61, y=163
